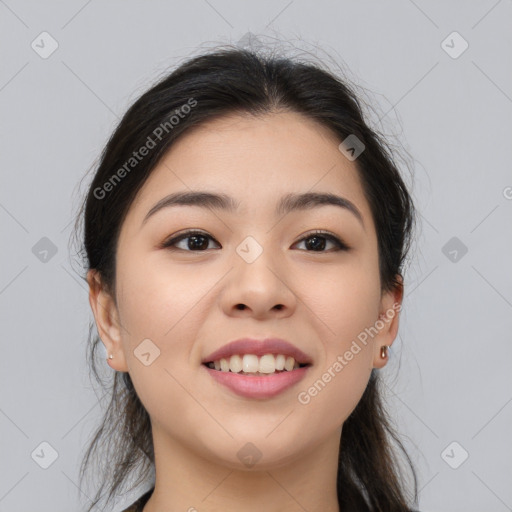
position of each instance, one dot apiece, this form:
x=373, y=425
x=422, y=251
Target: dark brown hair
x=220, y=82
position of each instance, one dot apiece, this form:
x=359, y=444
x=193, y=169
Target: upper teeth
x=250, y=363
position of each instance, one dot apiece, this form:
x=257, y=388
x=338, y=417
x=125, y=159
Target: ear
x=387, y=323
x=107, y=320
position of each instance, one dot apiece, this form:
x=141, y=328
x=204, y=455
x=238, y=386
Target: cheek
x=342, y=299
x=342, y=305
x=165, y=304
x=155, y=296
x=158, y=308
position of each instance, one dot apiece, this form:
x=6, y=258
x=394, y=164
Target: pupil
x=193, y=239
x=318, y=244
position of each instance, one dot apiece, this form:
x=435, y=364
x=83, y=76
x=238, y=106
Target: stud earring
x=110, y=357
x=384, y=351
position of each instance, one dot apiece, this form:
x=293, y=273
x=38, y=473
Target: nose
x=260, y=289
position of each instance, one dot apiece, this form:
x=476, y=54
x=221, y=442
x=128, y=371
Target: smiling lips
x=258, y=369
x=252, y=364
x=259, y=348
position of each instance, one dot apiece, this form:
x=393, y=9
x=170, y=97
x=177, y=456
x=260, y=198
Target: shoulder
x=138, y=505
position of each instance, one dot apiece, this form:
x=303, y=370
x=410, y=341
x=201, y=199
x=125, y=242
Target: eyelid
x=177, y=237
x=335, y=239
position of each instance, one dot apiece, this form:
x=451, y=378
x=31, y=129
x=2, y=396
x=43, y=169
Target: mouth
x=252, y=355
x=255, y=366
x=257, y=369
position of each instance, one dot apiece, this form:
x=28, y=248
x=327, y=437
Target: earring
x=384, y=351
x=110, y=357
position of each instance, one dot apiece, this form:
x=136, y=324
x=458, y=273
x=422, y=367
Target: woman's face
x=178, y=304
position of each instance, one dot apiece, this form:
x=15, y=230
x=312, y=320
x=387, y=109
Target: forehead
x=256, y=160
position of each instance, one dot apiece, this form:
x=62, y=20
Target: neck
x=187, y=481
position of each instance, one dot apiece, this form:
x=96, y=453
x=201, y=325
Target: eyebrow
x=220, y=201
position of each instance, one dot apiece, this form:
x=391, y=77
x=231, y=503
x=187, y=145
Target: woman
x=245, y=235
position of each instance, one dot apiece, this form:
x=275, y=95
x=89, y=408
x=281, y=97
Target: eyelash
x=340, y=245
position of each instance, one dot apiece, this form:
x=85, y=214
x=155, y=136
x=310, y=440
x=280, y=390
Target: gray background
x=449, y=372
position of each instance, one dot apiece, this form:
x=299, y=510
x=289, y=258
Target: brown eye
x=317, y=241
x=197, y=241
